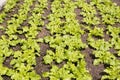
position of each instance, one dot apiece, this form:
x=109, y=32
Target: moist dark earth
x=95, y=71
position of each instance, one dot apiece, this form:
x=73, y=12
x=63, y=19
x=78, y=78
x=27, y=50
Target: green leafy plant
x=69, y=71
x=113, y=72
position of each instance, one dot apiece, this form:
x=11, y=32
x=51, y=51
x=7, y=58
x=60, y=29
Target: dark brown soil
x=95, y=71
x=41, y=67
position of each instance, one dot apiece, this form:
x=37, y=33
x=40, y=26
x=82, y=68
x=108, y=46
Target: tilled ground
x=95, y=71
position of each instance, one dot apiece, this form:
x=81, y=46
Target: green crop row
x=66, y=43
x=23, y=59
